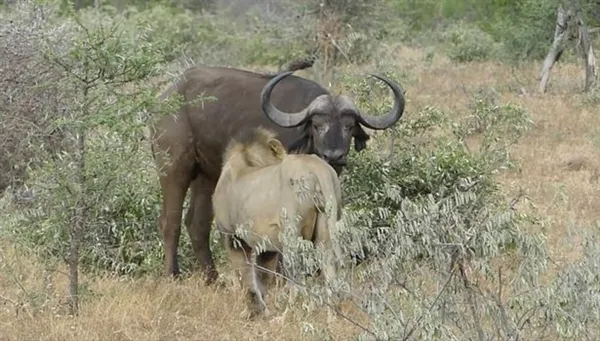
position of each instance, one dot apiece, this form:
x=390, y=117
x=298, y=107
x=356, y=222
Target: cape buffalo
x=188, y=146
x=258, y=180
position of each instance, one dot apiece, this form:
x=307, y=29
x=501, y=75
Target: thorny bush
x=444, y=255
x=27, y=104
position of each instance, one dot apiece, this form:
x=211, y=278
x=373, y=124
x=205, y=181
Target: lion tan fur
x=256, y=149
x=257, y=182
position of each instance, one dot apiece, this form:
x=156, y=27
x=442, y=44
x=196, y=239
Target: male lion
x=257, y=182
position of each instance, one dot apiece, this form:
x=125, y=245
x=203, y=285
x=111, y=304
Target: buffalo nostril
x=335, y=156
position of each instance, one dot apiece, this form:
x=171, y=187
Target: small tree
x=105, y=69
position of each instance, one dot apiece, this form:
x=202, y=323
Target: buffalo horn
x=277, y=116
x=386, y=121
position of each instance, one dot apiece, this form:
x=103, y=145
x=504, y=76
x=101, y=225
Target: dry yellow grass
x=142, y=309
x=559, y=174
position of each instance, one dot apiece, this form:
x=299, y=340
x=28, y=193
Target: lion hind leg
x=323, y=241
x=268, y=263
x=255, y=286
x=243, y=259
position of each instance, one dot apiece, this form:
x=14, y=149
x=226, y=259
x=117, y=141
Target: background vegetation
x=473, y=218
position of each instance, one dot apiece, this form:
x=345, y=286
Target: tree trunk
x=569, y=26
x=73, y=269
x=587, y=52
x=558, y=45
x=76, y=230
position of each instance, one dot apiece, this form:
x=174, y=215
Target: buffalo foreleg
x=170, y=225
x=198, y=223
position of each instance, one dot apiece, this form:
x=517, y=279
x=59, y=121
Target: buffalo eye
x=320, y=127
x=348, y=125
x=319, y=124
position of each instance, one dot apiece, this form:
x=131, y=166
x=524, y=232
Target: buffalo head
x=331, y=121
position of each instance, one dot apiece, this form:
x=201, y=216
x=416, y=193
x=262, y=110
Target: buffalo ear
x=360, y=138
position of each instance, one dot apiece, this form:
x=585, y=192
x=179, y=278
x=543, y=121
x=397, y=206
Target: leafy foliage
x=470, y=44
x=421, y=166
x=525, y=28
x=103, y=68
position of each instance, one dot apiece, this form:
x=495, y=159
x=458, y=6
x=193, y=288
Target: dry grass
x=142, y=309
x=559, y=174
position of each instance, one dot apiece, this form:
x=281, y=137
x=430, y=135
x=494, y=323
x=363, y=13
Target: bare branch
x=471, y=300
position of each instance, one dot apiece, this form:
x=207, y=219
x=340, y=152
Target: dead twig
x=471, y=300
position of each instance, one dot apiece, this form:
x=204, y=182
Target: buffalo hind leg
x=198, y=222
x=174, y=186
x=175, y=160
x=243, y=259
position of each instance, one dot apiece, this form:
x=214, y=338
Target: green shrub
x=522, y=29
x=498, y=126
x=23, y=27
x=272, y=42
x=183, y=32
x=209, y=39
x=422, y=167
x=468, y=43
x=525, y=28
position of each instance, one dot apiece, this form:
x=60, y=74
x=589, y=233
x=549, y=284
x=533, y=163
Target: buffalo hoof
x=174, y=274
x=220, y=283
x=211, y=277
